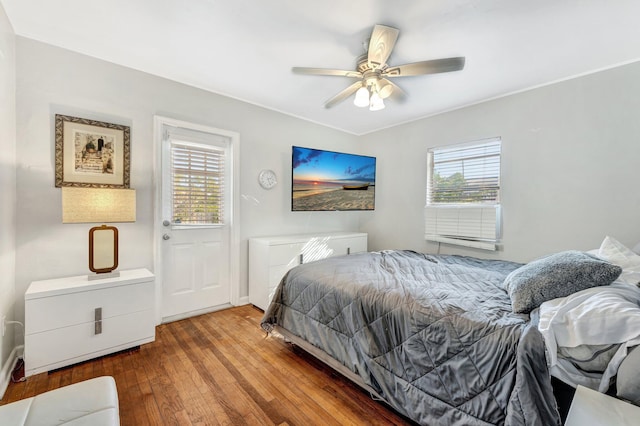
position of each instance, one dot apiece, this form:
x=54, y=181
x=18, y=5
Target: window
x=465, y=174
x=463, y=194
x=197, y=183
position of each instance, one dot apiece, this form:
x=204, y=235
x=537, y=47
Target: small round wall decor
x=267, y=179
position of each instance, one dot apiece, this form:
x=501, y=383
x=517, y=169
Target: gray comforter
x=433, y=335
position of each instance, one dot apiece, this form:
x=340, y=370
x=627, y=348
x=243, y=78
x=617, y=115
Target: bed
x=459, y=340
x=435, y=337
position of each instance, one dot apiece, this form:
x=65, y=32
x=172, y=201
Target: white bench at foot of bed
x=92, y=402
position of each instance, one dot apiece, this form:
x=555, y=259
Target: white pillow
x=615, y=252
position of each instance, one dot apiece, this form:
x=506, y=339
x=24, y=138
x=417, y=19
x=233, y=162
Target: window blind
x=197, y=183
x=469, y=226
x=465, y=174
x=463, y=194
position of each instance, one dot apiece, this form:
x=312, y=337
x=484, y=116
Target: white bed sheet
x=596, y=316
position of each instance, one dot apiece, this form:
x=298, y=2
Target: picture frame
x=91, y=154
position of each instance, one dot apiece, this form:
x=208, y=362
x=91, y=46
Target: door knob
x=166, y=236
x=166, y=223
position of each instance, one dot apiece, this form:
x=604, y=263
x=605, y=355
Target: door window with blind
x=463, y=194
x=197, y=181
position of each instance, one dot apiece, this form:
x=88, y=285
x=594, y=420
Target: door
x=196, y=220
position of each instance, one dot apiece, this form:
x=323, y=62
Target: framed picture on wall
x=91, y=154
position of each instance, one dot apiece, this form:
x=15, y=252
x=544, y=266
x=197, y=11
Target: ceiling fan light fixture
x=362, y=97
x=376, y=103
x=374, y=75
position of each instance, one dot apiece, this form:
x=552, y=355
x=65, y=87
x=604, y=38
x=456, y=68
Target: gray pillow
x=628, y=381
x=557, y=275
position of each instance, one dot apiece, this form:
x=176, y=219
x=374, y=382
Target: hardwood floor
x=221, y=368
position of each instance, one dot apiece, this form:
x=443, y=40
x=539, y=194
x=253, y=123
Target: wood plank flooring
x=221, y=369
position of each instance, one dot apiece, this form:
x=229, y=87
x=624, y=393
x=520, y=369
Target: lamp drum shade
x=102, y=205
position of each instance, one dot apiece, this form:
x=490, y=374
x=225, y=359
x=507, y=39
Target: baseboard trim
x=241, y=301
x=7, y=368
x=184, y=315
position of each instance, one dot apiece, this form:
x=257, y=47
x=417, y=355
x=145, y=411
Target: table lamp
x=100, y=205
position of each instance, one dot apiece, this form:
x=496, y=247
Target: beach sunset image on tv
x=327, y=180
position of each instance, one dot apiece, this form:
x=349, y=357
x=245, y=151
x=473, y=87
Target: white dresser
x=68, y=320
x=271, y=257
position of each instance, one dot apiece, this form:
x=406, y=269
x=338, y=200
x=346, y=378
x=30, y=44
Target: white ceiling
x=245, y=48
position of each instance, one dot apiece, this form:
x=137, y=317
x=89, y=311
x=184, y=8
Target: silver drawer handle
x=98, y=321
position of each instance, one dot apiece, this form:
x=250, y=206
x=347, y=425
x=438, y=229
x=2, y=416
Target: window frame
x=175, y=134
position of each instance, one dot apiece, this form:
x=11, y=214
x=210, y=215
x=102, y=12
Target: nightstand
x=69, y=320
x=593, y=408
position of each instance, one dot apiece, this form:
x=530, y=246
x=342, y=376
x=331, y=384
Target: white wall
x=51, y=80
x=570, y=161
x=7, y=192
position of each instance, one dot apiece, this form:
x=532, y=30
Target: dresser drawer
x=342, y=246
x=64, y=346
x=49, y=313
x=276, y=273
x=285, y=254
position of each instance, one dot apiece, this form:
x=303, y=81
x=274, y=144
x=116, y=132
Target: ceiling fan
x=373, y=73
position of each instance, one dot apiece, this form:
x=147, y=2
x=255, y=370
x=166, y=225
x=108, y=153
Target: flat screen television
x=331, y=181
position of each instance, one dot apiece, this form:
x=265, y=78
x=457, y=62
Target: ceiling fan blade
x=343, y=95
x=425, y=67
x=381, y=44
x=326, y=71
x=397, y=94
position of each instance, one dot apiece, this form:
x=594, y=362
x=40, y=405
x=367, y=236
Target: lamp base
x=113, y=274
